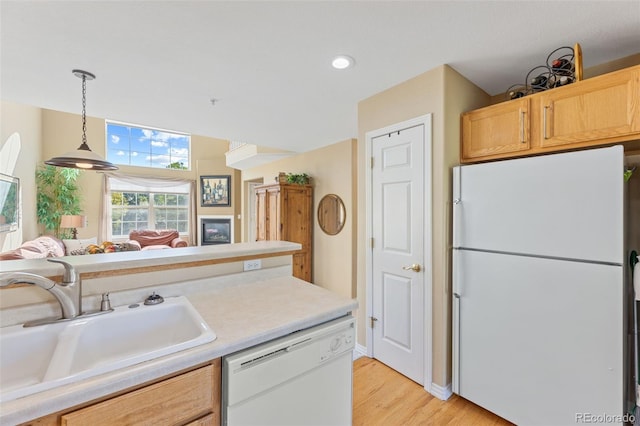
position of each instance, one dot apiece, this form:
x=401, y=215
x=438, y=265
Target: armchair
x=148, y=239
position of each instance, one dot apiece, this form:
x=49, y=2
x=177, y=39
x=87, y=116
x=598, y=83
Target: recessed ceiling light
x=342, y=62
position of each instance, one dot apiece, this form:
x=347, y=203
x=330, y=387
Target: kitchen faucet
x=68, y=292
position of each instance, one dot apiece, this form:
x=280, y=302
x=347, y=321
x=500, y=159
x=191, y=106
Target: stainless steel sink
x=34, y=359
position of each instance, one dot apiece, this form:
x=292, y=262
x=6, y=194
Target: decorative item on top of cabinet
x=563, y=66
x=293, y=178
x=599, y=111
x=298, y=179
x=285, y=212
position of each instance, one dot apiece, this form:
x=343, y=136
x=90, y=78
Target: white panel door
x=563, y=205
x=539, y=341
x=398, y=235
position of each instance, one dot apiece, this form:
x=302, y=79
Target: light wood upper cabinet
x=496, y=130
x=285, y=212
x=599, y=111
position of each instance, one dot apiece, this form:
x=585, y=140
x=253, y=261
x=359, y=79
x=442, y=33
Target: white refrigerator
x=538, y=287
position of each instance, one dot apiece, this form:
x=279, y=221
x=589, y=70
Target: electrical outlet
x=252, y=265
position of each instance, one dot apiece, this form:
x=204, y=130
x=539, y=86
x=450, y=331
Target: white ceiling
x=268, y=63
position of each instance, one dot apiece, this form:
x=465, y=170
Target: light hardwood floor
x=382, y=396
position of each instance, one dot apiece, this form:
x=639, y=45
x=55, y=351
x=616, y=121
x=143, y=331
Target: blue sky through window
x=145, y=147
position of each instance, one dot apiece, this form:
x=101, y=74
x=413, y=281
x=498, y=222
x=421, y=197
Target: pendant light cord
x=84, y=114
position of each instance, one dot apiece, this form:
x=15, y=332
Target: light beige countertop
x=241, y=315
x=150, y=258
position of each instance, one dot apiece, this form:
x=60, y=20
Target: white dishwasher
x=304, y=378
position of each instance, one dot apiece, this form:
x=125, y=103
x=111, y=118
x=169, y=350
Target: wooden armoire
x=285, y=212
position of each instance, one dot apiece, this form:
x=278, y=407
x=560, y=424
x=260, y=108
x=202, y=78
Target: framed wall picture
x=215, y=191
x=9, y=203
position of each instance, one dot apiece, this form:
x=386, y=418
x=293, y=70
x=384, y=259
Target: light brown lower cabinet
x=190, y=398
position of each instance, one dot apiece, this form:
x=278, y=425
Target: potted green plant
x=58, y=193
x=298, y=179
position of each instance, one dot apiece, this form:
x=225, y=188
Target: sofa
x=148, y=239
x=50, y=246
x=41, y=247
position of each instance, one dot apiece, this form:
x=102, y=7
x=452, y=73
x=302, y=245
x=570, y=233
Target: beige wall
x=445, y=94
x=618, y=64
x=26, y=122
x=58, y=132
x=61, y=133
x=332, y=169
x=460, y=95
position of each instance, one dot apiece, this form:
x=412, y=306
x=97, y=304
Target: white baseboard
x=440, y=392
x=359, y=351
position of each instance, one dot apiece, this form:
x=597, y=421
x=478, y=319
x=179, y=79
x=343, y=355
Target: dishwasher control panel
x=338, y=344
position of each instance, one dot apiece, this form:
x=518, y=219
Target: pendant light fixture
x=83, y=157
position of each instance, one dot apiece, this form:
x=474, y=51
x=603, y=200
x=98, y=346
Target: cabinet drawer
x=207, y=420
x=172, y=401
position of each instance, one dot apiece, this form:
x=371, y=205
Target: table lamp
x=73, y=222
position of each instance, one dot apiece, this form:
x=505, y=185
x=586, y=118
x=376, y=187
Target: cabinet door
x=173, y=401
x=261, y=215
x=274, y=225
x=603, y=109
x=297, y=215
x=208, y=420
x=301, y=265
x=496, y=130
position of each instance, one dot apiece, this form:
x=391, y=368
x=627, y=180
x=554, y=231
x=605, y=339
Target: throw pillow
x=73, y=247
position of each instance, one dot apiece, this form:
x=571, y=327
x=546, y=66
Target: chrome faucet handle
x=70, y=274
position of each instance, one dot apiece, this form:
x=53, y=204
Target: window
x=146, y=147
x=148, y=210
x=135, y=202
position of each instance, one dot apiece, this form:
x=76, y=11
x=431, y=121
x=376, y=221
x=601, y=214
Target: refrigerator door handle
x=457, y=205
x=455, y=379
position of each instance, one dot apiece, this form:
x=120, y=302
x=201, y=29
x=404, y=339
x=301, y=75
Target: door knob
x=415, y=268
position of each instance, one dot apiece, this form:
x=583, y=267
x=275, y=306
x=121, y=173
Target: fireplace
x=215, y=230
